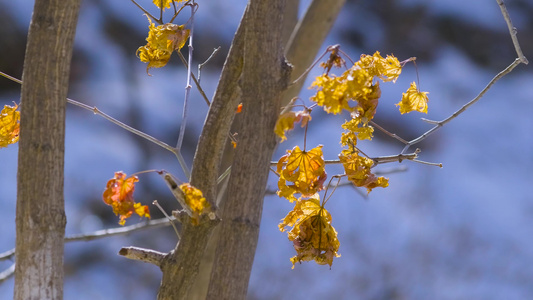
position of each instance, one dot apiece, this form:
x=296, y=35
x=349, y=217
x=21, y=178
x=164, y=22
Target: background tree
x=40, y=204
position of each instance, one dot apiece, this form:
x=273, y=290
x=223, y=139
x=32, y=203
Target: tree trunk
x=265, y=79
x=40, y=215
x=264, y=76
x=307, y=38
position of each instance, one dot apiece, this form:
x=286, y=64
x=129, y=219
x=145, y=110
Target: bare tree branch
x=148, y=137
x=512, y=31
x=123, y=230
x=439, y=124
x=8, y=254
x=152, y=224
x=7, y=273
x=145, y=255
x=521, y=59
x=188, y=83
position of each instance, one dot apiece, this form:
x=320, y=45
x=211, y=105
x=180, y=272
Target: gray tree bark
x=40, y=215
x=265, y=75
x=255, y=74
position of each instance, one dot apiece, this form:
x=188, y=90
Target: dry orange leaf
x=119, y=195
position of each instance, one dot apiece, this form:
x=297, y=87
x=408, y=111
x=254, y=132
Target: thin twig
x=377, y=160
x=161, y=10
x=7, y=255
x=11, y=78
x=144, y=255
x=310, y=67
x=521, y=59
x=147, y=13
x=156, y=203
x=7, y=273
x=224, y=175
x=439, y=124
x=325, y=199
x=176, y=13
x=200, y=66
x=512, y=31
x=184, y=61
x=123, y=230
x=398, y=169
x=392, y=135
x=148, y=137
x=230, y=136
x=187, y=85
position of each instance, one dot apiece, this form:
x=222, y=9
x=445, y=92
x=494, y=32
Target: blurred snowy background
x=461, y=232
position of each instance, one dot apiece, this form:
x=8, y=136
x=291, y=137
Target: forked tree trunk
x=262, y=82
x=40, y=215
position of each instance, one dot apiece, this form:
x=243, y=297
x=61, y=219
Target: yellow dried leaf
x=358, y=170
x=165, y=3
x=306, y=169
x=412, y=100
x=9, y=125
x=361, y=130
x=387, y=69
x=287, y=121
x=162, y=40
x=331, y=94
x=312, y=235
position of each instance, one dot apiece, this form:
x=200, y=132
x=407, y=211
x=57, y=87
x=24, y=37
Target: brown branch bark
x=40, y=215
x=199, y=289
x=265, y=75
x=181, y=266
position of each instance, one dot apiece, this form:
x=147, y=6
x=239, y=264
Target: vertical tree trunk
x=40, y=215
x=264, y=76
